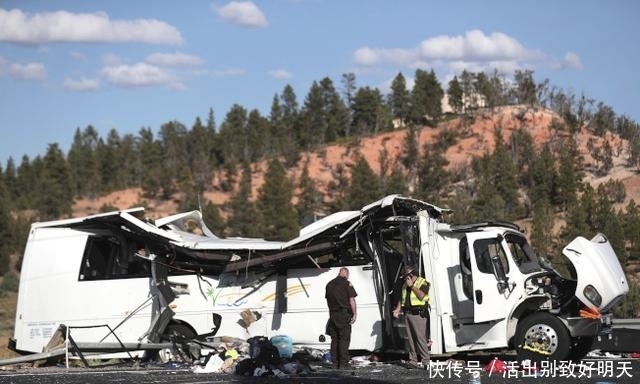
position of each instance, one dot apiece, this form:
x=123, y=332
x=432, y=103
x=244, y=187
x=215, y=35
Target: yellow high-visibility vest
x=415, y=301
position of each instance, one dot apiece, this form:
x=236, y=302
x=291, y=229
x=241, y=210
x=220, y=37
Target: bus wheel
x=542, y=336
x=179, y=335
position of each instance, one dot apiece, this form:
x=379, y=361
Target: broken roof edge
x=343, y=216
x=135, y=212
x=391, y=199
x=181, y=221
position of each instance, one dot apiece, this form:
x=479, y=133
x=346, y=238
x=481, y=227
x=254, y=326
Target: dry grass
x=7, y=318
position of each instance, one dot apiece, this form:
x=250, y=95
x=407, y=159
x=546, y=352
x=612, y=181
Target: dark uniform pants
x=417, y=331
x=339, y=328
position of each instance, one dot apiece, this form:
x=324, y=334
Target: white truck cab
x=493, y=292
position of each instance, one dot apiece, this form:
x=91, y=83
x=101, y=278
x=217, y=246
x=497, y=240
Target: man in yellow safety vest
x=415, y=305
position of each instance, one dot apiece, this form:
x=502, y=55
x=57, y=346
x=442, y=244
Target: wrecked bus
x=119, y=281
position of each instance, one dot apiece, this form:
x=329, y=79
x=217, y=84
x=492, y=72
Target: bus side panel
x=51, y=294
x=49, y=274
x=307, y=314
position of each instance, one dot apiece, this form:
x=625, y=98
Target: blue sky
x=67, y=64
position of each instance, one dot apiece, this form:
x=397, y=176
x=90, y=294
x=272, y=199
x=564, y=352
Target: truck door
x=490, y=274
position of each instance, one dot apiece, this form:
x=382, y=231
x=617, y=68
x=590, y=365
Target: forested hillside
x=557, y=163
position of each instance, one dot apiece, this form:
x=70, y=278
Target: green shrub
x=10, y=282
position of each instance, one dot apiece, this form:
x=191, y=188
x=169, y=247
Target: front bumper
x=583, y=327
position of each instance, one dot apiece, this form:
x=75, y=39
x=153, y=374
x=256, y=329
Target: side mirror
x=501, y=276
x=498, y=268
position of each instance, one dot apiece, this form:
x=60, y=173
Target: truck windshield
x=522, y=254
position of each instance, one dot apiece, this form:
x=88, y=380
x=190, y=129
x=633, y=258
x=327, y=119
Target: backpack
x=262, y=351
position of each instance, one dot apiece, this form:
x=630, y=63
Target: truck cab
x=490, y=290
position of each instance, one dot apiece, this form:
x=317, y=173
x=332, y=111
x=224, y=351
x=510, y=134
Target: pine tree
x=150, y=154
x=11, y=183
x=433, y=177
x=83, y=163
x=487, y=204
x=570, y=173
x=368, y=111
x=542, y=231
x=110, y=162
x=497, y=175
x=213, y=219
x=129, y=158
x=337, y=113
x=349, y=91
x=26, y=195
x=364, y=187
x=525, y=90
x=524, y=154
x=288, y=126
x=200, y=139
x=279, y=217
x=54, y=185
x=257, y=136
x=234, y=136
x=392, y=178
x=5, y=227
x=315, y=122
x=400, y=99
x=542, y=176
x=629, y=307
x=243, y=218
x=631, y=228
x=603, y=120
x=426, y=98
x=337, y=188
x=309, y=199
x=395, y=183
x=605, y=220
x=456, y=96
x=410, y=155
x=578, y=218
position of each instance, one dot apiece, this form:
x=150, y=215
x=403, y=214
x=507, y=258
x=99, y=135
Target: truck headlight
x=592, y=294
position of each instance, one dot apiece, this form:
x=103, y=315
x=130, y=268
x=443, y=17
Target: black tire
x=542, y=336
x=177, y=333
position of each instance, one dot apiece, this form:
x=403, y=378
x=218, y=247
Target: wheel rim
x=166, y=355
x=541, y=338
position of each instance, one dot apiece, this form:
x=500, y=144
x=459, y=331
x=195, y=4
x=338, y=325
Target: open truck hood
x=597, y=268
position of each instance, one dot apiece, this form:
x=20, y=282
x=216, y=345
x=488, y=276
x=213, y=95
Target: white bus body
x=143, y=279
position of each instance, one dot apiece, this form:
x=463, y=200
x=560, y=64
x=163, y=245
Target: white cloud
x=281, y=74
x=81, y=85
x=228, y=72
x=30, y=71
x=244, y=13
x=572, y=61
x=474, y=46
x=68, y=27
x=474, y=51
x=138, y=75
x=367, y=56
x=176, y=59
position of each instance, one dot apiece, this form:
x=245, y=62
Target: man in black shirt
x=341, y=301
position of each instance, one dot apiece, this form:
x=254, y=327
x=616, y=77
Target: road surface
x=588, y=371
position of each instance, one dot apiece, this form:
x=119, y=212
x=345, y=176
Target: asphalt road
x=589, y=371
